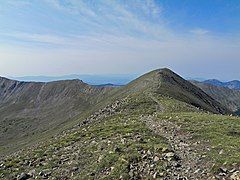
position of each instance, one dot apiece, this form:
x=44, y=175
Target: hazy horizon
x=97, y=79
x=199, y=39
x=41, y=77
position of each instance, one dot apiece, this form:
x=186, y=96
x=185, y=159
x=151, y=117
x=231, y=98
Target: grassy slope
x=97, y=142
x=220, y=133
x=108, y=147
x=31, y=112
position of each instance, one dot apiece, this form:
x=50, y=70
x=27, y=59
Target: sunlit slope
x=144, y=135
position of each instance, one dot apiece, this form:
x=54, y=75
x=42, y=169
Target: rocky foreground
x=125, y=140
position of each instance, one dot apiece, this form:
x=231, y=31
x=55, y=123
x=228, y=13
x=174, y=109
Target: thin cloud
x=84, y=34
x=115, y=17
x=199, y=31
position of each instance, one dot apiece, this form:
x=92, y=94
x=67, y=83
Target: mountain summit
x=166, y=82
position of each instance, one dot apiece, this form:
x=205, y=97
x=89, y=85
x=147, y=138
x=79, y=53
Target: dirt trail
x=188, y=163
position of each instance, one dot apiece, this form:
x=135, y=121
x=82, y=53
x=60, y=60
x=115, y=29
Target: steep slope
x=168, y=83
x=31, y=109
x=230, y=98
x=235, y=84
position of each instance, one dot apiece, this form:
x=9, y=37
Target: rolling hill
x=157, y=126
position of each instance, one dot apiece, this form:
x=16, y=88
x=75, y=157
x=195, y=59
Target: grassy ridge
x=122, y=146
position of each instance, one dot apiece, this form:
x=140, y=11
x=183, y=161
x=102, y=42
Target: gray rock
x=74, y=168
x=32, y=172
x=156, y=159
x=131, y=173
x=235, y=176
x=169, y=155
x=223, y=170
x=23, y=176
x=232, y=170
x=155, y=175
x=41, y=173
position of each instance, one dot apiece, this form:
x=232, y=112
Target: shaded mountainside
x=230, y=98
x=29, y=109
x=157, y=126
x=235, y=84
x=168, y=83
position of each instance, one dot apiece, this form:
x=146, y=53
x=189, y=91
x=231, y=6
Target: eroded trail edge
x=183, y=157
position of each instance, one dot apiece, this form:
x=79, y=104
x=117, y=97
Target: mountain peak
x=166, y=82
x=163, y=71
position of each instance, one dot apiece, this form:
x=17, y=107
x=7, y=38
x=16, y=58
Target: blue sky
x=196, y=38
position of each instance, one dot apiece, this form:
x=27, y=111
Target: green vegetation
x=104, y=149
x=157, y=126
x=220, y=133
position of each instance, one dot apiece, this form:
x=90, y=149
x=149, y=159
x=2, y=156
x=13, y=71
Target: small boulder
x=23, y=176
x=155, y=175
x=156, y=159
x=149, y=152
x=32, y=172
x=223, y=170
x=221, y=152
x=169, y=155
x=74, y=168
x=131, y=173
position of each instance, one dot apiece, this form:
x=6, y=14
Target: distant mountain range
x=115, y=79
x=230, y=84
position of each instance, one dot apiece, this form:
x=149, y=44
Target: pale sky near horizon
x=58, y=37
